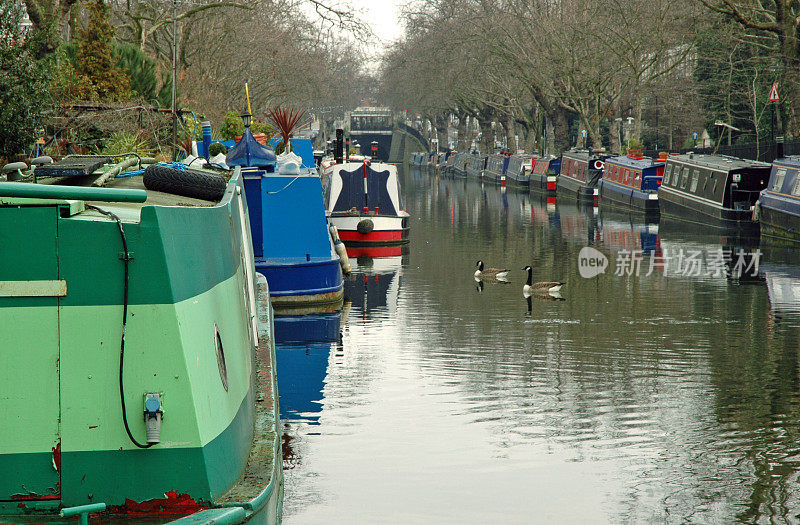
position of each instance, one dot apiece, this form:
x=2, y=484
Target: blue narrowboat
x=495, y=170
x=580, y=174
x=545, y=173
x=518, y=172
x=632, y=183
x=475, y=165
x=778, y=206
x=292, y=243
x=713, y=190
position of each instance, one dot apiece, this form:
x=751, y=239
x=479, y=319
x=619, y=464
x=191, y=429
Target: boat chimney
x=206, y=138
x=338, y=153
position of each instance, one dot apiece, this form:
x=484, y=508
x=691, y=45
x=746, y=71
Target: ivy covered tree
x=23, y=83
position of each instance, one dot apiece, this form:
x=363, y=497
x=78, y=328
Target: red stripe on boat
x=551, y=185
x=381, y=235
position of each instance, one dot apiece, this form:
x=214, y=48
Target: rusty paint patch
x=172, y=504
x=57, y=457
x=34, y=497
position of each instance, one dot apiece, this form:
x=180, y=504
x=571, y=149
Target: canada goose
x=490, y=273
x=541, y=287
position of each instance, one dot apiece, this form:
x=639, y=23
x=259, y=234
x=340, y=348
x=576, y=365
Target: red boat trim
x=380, y=235
x=171, y=504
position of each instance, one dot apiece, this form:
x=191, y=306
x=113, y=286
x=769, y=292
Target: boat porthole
x=223, y=370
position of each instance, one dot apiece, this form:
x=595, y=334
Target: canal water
x=663, y=390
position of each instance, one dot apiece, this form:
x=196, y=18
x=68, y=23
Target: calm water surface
x=659, y=398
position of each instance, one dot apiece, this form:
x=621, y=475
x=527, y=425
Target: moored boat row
x=715, y=190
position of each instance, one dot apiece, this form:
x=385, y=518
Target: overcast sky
x=383, y=16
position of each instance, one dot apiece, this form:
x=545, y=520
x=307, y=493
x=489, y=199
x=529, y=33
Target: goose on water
x=547, y=286
x=491, y=273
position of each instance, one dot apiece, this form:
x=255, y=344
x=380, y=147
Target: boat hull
x=680, y=206
x=175, y=333
x=543, y=183
x=625, y=197
x=577, y=189
x=779, y=216
x=386, y=231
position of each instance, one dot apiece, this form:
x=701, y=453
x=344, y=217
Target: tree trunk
x=487, y=136
x=560, y=130
x=461, y=144
x=511, y=135
x=441, y=122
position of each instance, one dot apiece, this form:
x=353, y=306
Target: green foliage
x=635, y=144
x=232, y=126
x=124, y=142
x=280, y=148
x=734, y=77
x=164, y=96
x=95, y=63
x=259, y=126
x=216, y=148
x=141, y=70
x=23, y=83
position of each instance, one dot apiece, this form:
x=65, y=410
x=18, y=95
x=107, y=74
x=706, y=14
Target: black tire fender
x=365, y=226
x=187, y=183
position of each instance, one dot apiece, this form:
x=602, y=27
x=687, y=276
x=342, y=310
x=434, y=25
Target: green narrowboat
x=137, y=362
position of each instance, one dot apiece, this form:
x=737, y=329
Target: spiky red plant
x=286, y=119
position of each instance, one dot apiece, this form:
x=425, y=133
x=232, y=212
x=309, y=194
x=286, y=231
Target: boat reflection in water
x=630, y=231
x=696, y=251
x=578, y=221
x=374, y=284
x=780, y=269
x=303, y=349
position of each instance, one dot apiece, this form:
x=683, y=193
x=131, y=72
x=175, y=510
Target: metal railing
x=764, y=151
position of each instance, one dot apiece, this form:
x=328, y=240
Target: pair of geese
x=528, y=288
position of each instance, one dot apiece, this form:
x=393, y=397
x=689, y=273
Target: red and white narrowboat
x=363, y=201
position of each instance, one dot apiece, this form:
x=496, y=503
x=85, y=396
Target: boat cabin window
x=676, y=176
x=667, y=173
x=780, y=175
x=695, y=180
x=796, y=186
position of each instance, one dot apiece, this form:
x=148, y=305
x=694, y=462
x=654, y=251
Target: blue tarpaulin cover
x=249, y=153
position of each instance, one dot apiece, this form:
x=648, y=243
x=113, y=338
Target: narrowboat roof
x=792, y=161
x=637, y=164
x=546, y=159
x=717, y=162
x=580, y=154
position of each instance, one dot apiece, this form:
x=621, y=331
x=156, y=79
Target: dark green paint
x=111, y=476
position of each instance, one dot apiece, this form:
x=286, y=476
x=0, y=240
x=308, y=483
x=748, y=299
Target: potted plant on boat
x=286, y=120
x=635, y=149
